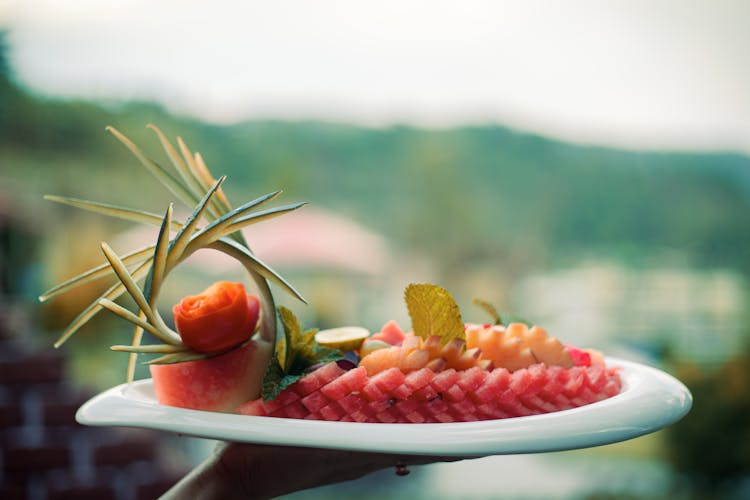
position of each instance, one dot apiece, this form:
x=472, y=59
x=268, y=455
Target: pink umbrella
x=307, y=238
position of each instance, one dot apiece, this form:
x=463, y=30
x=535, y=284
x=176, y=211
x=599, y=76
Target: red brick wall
x=45, y=454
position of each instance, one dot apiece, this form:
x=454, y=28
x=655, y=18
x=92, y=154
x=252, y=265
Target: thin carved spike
x=133, y=356
x=129, y=316
x=215, y=231
x=188, y=180
x=244, y=255
x=112, y=293
x=150, y=349
x=156, y=276
x=220, y=200
x=207, y=179
x=188, y=355
x=124, y=213
x=240, y=211
x=137, y=295
x=95, y=273
x=180, y=357
x=165, y=178
x=177, y=161
x=192, y=178
x=127, y=280
x=189, y=163
x=262, y=216
x=181, y=241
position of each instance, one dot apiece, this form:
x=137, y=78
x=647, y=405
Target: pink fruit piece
x=423, y=396
x=579, y=356
x=346, y=383
x=390, y=333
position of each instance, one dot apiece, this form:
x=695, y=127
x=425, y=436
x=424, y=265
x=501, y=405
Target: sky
x=634, y=74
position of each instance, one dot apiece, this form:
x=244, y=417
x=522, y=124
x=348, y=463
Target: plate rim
x=650, y=400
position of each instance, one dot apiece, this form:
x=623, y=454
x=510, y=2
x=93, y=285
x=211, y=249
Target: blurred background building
x=583, y=165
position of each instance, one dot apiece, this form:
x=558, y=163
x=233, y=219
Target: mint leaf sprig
x=295, y=352
x=433, y=311
x=504, y=319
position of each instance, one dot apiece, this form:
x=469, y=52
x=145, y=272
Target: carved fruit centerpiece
x=225, y=337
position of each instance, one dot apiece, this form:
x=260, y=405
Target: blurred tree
x=710, y=447
x=4, y=66
x=18, y=253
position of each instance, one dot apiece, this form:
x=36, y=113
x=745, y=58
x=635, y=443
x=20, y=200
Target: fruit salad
x=443, y=371
x=226, y=353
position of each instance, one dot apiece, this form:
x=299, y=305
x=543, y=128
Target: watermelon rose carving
x=222, y=316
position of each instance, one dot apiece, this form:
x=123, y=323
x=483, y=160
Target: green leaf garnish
x=275, y=380
x=294, y=354
x=434, y=312
x=505, y=318
x=489, y=309
x=291, y=326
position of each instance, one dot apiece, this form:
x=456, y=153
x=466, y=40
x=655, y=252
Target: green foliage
x=497, y=318
x=4, y=66
x=296, y=352
x=710, y=446
x=484, y=195
x=489, y=309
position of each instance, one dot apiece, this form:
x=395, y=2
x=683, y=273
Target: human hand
x=239, y=470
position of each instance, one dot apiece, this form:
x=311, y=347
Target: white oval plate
x=650, y=400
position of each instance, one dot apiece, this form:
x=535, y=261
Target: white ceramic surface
x=650, y=400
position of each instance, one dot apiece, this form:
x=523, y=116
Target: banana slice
x=345, y=338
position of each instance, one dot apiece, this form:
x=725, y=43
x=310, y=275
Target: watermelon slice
x=424, y=396
x=217, y=384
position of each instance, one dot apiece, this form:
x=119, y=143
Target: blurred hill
x=461, y=194
x=470, y=194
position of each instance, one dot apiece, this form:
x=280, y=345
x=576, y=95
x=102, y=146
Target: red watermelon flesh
x=424, y=396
